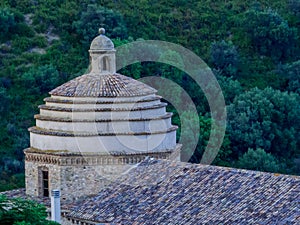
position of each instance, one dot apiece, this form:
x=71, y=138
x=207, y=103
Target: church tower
x=94, y=128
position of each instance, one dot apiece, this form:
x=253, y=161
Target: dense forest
x=252, y=47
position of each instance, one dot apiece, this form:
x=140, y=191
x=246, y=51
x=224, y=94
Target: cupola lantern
x=102, y=55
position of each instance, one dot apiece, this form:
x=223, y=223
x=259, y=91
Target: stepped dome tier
x=103, y=124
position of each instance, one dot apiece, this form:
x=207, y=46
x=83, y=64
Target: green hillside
x=253, y=48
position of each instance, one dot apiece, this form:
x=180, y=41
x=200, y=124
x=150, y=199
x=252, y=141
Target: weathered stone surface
x=81, y=175
x=102, y=42
x=93, y=142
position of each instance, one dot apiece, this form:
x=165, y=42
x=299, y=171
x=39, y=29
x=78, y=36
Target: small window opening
x=45, y=180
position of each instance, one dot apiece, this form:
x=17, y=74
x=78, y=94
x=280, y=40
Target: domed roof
x=109, y=85
x=102, y=42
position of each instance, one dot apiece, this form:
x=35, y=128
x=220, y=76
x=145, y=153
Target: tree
x=291, y=72
x=40, y=80
x=225, y=57
x=294, y=6
x=231, y=88
x=224, y=154
x=258, y=160
x=267, y=119
x=4, y=101
x=269, y=33
x=7, y=21
x=18, y=211
x=95, y=17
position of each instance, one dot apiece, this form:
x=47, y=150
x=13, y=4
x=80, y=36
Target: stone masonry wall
x=81, y=181
x=74, y=181
x=77, y=176
x=33, y=178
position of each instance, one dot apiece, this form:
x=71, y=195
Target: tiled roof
x=164, y=192
x=108, y=85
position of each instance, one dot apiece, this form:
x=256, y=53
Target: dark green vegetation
x=22, y=212
x=252, y=47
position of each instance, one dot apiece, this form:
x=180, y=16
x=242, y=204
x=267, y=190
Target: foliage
x=269, y=33
x=19, y=211
x=41, y=80
x=8, y=181
x=266, y=119
x=230, y=87
x=95, y=17
x=258, y=160
x=291, y=72
x=224, y=154
x=294, y=6
x=224, y=57
x=4, y=100
x=7, y=21
x=12, y=25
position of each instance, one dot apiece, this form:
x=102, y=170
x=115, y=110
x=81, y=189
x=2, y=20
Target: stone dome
x=103, y=111
x=102, y=42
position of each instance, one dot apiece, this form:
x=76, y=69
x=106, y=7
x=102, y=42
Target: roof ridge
x=224, y=168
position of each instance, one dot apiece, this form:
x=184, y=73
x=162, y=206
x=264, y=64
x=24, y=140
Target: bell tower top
x=102, y=54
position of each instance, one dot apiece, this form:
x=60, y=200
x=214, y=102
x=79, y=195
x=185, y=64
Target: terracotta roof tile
x=160, y=192
x=108, y=85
